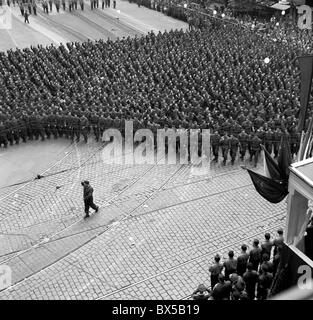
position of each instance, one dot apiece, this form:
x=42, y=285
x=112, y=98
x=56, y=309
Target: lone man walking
x=88, y=198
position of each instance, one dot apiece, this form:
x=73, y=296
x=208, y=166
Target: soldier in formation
x=34, y=4
x=57, y=5
x=157, y=81
x=45, y=6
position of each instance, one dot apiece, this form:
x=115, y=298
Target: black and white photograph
x=156, y=150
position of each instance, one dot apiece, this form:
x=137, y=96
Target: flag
x=284, y=158
x=273, y=191
x=271, y=168
x=306, y=72
x=274, y=186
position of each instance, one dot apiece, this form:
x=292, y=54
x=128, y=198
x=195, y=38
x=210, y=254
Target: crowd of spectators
x=247, y=277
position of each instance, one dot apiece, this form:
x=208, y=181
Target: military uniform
x=76, y=128
x=9, y=131
x=234, y=143
x=27, y=119
x=117, y=123
x=69, y=129
x=268, y=140
x=271, y=124
x=277, y=139
x=215, y=143
x=258, y=122
x=46, y=125
x=226, y=126
x=225, y=147
x=243, y=138
x=294, y=142
x=278, y=123
x=236, y=129
x=84, y=123
x=23, y=128
x=247, y=126
x=52, y=119
x=3, y=135
x=94, y=121
x=15, y=130
x=255, y=149
x=102, y=124
x=34, y=7
x=261, y=134
x=62, y=125
x=57, y=5
x=39, y=128
x=22, y=9
x=109, y=122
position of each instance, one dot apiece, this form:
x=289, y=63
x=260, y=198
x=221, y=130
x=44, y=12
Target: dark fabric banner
x=306, y=72
x=270, y=166
x=284, y=158
x=273, y=191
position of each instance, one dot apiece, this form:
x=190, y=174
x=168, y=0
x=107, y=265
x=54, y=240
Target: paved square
x=159, y=225
x=154, y=237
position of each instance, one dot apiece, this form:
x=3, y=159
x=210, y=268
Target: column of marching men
x=237, y=141
x=213, y=79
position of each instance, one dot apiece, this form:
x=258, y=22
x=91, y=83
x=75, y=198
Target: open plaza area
x=75, y=225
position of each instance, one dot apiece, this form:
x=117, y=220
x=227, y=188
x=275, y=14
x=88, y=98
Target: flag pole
x=301, y=147
x=306, y=139
x=305, y=156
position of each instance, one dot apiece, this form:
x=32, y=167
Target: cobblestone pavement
x=159, y=225
x=155, y=235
